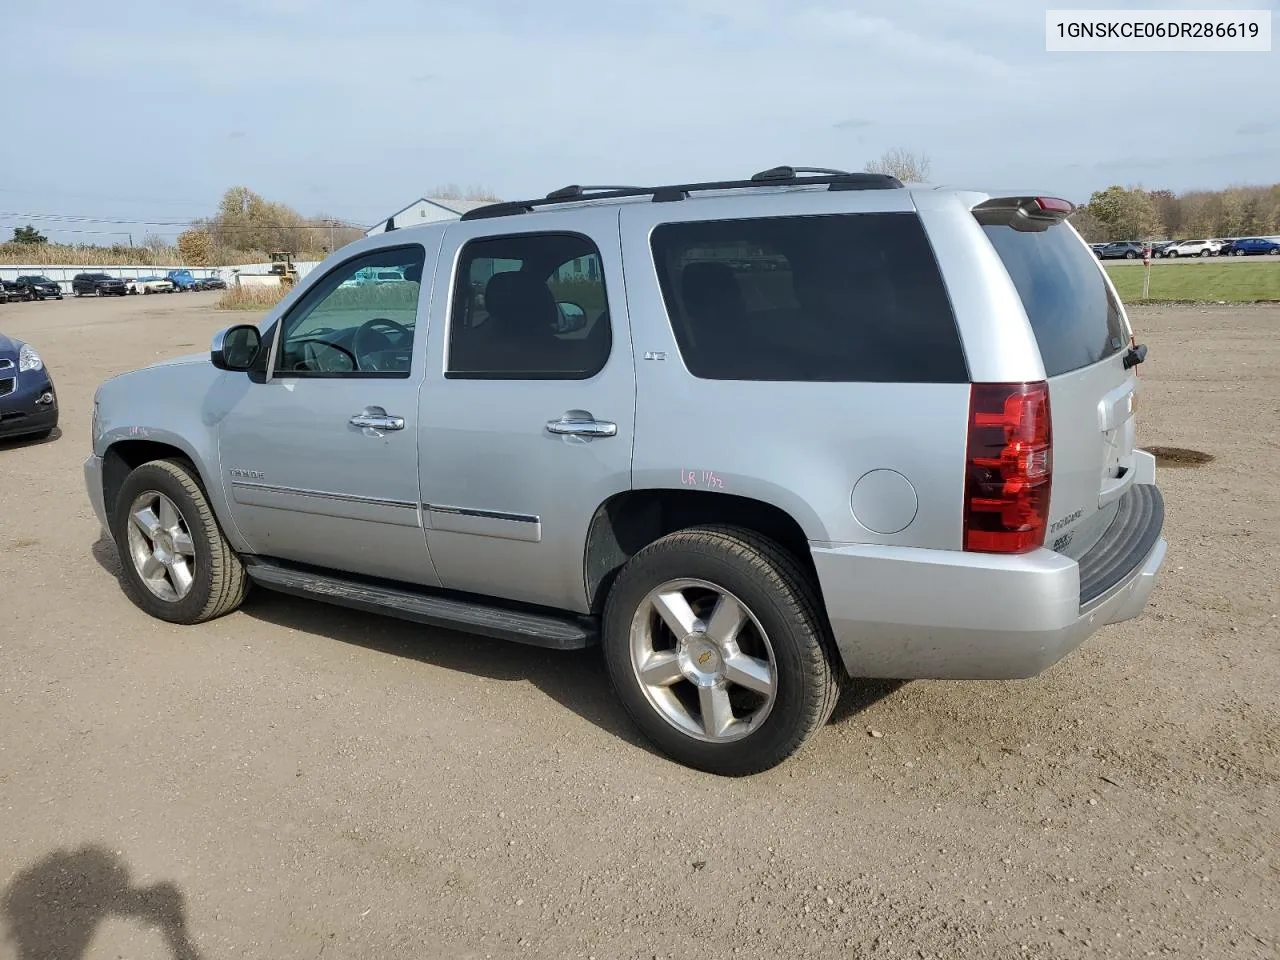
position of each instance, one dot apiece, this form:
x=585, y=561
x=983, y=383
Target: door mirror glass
x=572, y=317
x=236, y=348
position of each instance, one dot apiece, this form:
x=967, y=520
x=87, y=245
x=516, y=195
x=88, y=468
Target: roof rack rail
x=575, y=191
x=776, y=176
x=789, y=173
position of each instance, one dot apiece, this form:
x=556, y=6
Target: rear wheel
x=716, y=644
x=1130, y=255
x=1205, y=253
x=177, y=565
x=1239, y=253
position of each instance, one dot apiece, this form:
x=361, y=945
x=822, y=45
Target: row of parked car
x=1238, y=246
x=37, y=287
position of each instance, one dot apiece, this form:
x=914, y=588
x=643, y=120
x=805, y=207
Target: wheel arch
x=629, y=521
x=124, y=455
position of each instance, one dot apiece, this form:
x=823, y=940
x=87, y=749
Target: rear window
x=846, y=297
x=1076, y=320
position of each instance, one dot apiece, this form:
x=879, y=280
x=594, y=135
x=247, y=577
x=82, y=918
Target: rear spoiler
x=1025, y=214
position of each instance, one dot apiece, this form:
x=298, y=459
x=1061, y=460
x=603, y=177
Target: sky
x=148, y=110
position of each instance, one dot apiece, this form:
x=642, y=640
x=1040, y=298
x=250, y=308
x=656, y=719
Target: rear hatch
x=1083, y=335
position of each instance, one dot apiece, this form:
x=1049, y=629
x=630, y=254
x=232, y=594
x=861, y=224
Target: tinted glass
x=1075, y=319
x=346, y=326
x=529, y=307
x=849, y=297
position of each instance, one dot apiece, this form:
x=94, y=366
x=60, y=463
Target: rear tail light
x=1009, y=467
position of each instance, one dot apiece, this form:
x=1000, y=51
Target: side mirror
x=572, y=317
x=236, y=348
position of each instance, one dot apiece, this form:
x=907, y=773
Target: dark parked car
x=211, y=283
x=28, y=402
x=1120, y=250
x=9, y=290
x=1247, y=246
x=1158, y=247
x=38, y=288
x=98, y=284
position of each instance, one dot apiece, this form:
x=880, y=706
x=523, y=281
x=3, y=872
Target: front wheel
x=177, y=564
x=716, y=644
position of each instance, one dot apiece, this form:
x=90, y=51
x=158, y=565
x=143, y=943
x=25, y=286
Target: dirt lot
x=299, y=781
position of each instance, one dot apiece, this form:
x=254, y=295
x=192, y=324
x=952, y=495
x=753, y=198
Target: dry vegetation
x=251, y=298
x=58, y=254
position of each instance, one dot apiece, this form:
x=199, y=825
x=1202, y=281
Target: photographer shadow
x=53, y=908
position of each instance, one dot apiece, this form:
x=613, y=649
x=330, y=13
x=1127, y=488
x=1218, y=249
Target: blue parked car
x=1255, y=245
x=182, y=280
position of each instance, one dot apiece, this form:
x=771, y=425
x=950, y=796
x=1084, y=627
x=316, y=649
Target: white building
x=427, y=210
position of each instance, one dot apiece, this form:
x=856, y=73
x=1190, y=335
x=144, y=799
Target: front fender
x=178, y=404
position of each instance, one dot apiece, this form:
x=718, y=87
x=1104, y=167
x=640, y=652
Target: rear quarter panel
x=801, y=447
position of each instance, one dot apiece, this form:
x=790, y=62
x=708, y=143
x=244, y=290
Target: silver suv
x=753, y=437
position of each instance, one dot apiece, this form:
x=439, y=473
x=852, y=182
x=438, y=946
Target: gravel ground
x=296, y=780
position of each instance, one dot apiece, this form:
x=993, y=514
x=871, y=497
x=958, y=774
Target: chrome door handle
x=377, y=421
x=572, y=427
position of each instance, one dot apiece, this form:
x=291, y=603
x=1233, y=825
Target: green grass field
x=1232, y=282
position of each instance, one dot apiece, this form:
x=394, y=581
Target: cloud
x=632, y=90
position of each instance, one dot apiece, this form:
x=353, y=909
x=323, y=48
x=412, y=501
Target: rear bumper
x=908, y=613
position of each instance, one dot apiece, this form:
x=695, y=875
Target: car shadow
x=575, y=679
x=18, y=443
x=52, y=909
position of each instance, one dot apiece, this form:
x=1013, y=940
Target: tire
x=796, y=651
x=217, y=581
x=1205, y=253
x=1238, y=253
x=1130, y=255
x=1172, y=254
x=1274, y=251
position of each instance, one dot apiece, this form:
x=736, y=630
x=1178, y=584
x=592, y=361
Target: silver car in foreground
x=753, y=437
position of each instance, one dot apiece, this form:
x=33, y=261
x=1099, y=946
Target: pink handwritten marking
x=704, y=478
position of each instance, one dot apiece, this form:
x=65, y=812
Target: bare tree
x=906, y=165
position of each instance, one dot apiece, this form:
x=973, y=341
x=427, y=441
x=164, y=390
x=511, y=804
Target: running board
x=557, y=631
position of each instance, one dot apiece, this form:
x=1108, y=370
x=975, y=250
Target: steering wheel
x=363, y=344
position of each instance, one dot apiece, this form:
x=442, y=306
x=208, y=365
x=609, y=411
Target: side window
x=838, y=298
x=358, y=320
x=529, y=307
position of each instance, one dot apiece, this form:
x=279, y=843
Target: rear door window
x=844, y=297
x=1076, y=320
